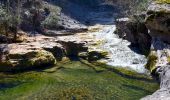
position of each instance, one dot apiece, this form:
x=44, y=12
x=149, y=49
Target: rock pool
x=76, y=80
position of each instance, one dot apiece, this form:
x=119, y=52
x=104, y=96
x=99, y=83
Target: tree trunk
x=6, y=23
x=18, y=19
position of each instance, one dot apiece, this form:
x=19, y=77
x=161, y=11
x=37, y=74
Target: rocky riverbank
x=150, y=32
x=157, y=21
x=43, y=50
x=92, y=37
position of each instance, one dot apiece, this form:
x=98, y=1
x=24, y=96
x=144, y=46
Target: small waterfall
x=120, y=54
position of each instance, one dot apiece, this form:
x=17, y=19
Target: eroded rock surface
x=135, y=31
x=43, y=50
x=164, y=92
x=27, y=60
x=158, y=21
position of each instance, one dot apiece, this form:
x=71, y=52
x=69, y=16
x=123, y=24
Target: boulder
x=135, y=31
x=27, y=60
x=57, y=50
x=164, y=92
x=97, y=55
x=158, y=21
x=73, y=48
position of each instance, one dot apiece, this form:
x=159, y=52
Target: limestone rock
x=159, y=55
x=164, y=92
x=135, y=32
x=72, y=45
x=158, y=64
x=158, y=21
x=27, y=60
x=96, y=55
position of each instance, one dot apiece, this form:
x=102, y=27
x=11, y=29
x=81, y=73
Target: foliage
x=138, y=6
x=8, y=18
x=51, y=21
x=151, y=64
x=3, y=15
x=3, y=19
x=163, y=1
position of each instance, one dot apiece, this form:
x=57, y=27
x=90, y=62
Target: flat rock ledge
x=41, y=51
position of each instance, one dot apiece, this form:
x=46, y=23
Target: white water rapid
x=120, y=54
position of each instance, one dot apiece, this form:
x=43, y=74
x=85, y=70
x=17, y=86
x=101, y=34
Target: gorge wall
x=151, y=32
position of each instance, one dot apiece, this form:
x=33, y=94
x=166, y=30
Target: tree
x=10, y=17
x=6, y=24
x=18, y=19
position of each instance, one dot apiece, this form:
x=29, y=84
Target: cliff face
x=136, y=32
x=151, y=32
x=158, y=23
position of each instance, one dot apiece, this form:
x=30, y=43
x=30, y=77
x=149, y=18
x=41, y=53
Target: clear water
x=76, y=80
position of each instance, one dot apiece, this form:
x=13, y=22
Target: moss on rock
x=27, y=60
x=168, y=59
x=151, y=64
x=96, y=55
x=163, y=1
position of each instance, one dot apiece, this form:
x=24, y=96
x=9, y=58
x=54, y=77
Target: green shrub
x=51, y=22
x=163, y=1
x=151, y=64
x=2, y=16
x=138, y=6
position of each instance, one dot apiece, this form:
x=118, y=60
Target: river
x=76, y=80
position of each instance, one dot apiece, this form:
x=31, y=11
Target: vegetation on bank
x=163, y=1
x=151, y=64
x=27, y=15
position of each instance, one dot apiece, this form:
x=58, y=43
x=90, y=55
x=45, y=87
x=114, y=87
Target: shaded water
x=76, y=80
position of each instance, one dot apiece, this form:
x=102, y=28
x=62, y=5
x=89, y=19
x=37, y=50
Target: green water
x=76, y=81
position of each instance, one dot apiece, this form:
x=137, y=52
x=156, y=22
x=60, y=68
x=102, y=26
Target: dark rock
x=4, y=50
x=57, y=51
x=83, y=55
x=135, y=32
x=73, y=48
x=96, y=55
